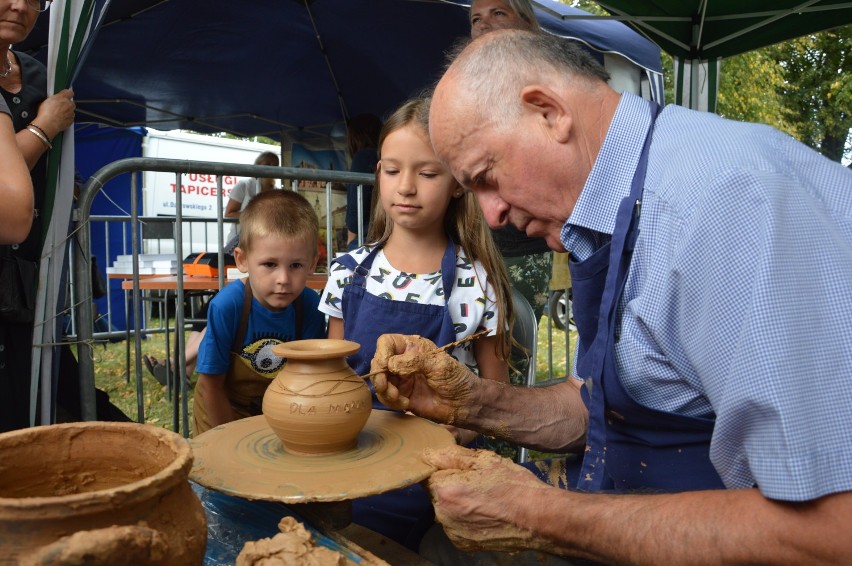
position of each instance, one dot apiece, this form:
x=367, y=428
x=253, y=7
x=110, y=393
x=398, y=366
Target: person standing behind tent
x=244, y=191
x=529, y=260
x=362, y=135
x=37, y=119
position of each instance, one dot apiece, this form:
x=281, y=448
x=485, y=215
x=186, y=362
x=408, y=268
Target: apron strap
x=244, y=318
x=593, y=472
x=448, y=268
x=300, y=315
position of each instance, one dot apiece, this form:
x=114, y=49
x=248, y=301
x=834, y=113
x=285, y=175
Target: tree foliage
x=802, y=87
x=816, y=90
x=748, y=90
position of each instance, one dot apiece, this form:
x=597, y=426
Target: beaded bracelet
x=39, y=133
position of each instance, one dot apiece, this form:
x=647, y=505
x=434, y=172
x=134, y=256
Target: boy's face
x=278, y=268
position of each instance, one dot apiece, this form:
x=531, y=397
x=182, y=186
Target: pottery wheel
x=246, y=459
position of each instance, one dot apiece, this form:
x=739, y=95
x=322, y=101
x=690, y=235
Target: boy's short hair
x=281, y=213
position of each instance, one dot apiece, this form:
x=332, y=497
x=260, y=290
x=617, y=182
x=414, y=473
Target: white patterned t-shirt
x=471, y=305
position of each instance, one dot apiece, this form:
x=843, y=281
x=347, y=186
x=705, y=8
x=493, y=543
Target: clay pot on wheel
x=98, y=493
x=317, y=404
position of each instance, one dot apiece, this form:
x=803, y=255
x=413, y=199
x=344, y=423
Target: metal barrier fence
x=82, y=320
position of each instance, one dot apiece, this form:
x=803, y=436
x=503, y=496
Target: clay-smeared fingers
x=384, y=383
x=387, y=393
x=472, y=491
x=460, y=458
x=386, y=346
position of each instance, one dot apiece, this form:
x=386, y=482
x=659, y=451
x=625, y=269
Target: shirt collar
x=612, y=173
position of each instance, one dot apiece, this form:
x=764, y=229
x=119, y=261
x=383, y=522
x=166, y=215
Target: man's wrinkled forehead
x=445, y=116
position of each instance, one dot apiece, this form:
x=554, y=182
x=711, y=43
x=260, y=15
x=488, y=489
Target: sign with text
x=199, y=192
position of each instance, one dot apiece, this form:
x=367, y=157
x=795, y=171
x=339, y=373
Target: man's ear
x=241, y=259
x=551, y=110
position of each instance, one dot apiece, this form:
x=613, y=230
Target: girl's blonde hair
x=463, y=221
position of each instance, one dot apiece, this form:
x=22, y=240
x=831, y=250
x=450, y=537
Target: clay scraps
x=293, y=545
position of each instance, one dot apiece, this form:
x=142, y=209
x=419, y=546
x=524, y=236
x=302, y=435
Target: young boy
x=278, y=249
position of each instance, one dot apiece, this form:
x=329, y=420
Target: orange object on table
x=206, y=265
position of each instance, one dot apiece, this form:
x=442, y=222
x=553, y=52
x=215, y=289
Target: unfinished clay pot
x=317, y=404
x=98, y=493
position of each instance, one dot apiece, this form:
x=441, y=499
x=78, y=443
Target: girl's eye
x=389, y=171
x=429, y=174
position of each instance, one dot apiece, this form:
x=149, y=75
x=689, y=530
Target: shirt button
x=25, y=114
x=16, y=100
x=2, y=347
x=15, y=246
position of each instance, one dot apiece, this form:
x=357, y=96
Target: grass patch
x=112, y=376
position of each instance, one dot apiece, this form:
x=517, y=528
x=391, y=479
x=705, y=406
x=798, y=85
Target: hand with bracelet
x=55, y=115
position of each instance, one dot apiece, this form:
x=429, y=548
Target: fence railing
x=82, y=313
x=82, y=323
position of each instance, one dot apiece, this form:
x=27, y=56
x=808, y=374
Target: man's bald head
x=519, y=118
x=486, y=77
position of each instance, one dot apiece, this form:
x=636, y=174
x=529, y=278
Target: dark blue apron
x=403, y=515
x=367, y=316
x=629, y=446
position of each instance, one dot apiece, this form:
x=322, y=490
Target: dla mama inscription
x=317, y=404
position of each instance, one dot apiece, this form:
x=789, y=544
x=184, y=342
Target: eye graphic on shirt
x=258, y=355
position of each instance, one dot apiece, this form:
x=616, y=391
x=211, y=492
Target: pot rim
x=173, y=473
x=316, y=349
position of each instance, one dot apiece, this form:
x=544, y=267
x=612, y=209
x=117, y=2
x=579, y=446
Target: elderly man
x=712, y=270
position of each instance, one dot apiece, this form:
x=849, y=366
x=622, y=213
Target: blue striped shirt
x=738, y=301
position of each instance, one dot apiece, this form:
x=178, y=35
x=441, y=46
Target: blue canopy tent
x=291, y=70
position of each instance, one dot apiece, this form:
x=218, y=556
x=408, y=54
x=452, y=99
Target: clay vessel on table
x=317, y=404
x=98, y=493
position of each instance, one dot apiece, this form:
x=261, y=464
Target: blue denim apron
x=629, y=446
x=403, y=515
x=367, y=316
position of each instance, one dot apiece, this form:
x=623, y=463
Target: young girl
x=431, y=268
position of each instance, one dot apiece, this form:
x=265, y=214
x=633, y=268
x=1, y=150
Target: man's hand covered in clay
x=469, y=491
x=416, y=377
